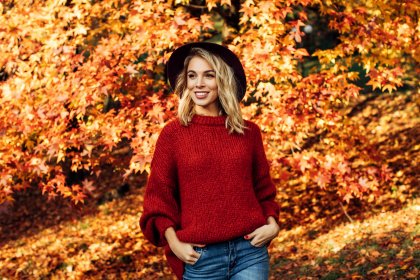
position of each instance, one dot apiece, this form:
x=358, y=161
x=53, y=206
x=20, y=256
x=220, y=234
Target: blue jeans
x=237, y=259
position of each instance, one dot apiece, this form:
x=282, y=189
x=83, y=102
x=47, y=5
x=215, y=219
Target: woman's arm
x=160, y=206
x=264, y=187
x=265, y=191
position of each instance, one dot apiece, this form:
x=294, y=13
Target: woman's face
x=202, y=85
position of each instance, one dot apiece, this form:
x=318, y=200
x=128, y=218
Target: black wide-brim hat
x=175, y=63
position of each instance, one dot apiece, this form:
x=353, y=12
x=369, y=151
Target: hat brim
x=175, y=63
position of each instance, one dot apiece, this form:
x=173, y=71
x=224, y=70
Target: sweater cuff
x=162, y=223
x=271, y=209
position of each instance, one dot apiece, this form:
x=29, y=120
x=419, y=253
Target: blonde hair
x=227, y=89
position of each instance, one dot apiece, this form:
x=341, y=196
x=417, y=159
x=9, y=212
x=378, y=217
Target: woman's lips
x=201, y=94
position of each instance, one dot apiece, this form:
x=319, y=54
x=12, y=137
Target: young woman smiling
x=201, y=83
x=210, y=199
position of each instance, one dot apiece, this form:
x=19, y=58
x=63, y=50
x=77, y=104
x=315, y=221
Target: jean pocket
x=257, y=247
x=201, y=252
x=200, y=249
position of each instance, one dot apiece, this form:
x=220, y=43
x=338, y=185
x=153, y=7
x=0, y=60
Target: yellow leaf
x=389, y=87
x=394, y=240
x=374, y=84
x=211, y=4
x=375, y=254
x=61, y=156
x=179, y=21
x=80, y=30
x=376, y=270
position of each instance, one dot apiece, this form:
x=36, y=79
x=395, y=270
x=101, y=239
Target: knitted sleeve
x=263, y=185
x=160, y=206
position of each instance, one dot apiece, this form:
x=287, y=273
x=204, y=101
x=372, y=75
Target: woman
x=209, y=198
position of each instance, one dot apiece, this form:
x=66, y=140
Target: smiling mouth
x=201, y=94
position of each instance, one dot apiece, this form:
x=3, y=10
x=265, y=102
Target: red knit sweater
x=211, y=186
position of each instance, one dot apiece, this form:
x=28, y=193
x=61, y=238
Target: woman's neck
x=209, y=112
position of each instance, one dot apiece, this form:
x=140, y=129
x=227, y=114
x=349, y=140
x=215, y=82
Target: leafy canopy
x=82, y=80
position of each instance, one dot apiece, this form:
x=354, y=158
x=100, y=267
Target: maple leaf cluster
x=82, y=80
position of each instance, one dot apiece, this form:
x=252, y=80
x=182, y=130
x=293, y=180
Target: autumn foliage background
x=83, y=96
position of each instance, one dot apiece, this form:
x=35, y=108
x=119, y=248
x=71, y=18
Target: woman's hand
x=264, y=234
x=184, y=251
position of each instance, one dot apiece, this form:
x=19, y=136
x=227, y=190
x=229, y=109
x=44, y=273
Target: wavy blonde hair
x=227, y=89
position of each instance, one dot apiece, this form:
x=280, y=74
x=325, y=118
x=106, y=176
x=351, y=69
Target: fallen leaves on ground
x=385, y=246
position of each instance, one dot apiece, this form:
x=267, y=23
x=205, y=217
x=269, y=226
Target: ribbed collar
x=209, y=120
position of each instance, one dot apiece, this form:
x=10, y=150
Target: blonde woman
x=210, y=199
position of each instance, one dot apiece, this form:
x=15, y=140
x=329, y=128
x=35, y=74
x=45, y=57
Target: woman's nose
x=200, y=81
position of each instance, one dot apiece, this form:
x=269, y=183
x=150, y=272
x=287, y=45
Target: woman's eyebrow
x=207, y=71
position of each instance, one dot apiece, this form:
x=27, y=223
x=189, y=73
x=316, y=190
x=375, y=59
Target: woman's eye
x=191, y=76
x=210, y=76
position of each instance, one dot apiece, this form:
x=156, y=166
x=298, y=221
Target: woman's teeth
x=201, y=94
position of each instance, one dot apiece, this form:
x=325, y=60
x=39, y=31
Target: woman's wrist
x=170, y=235
x=274, y=225
x=271, y=220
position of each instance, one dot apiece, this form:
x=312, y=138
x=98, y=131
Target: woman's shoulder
x=172, y=123
x=171, y=127
x=251, y=125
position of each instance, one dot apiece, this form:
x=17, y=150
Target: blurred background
x=83, y=96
